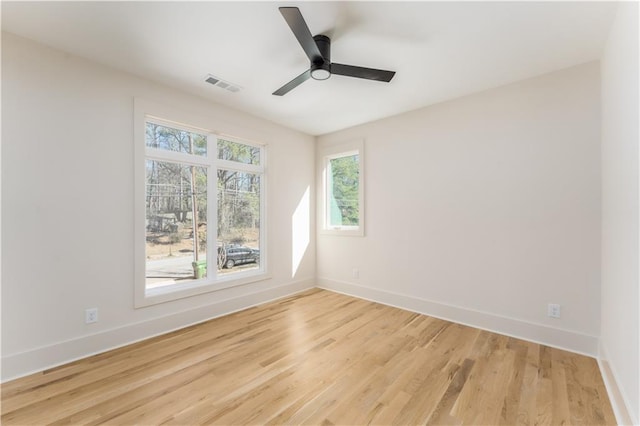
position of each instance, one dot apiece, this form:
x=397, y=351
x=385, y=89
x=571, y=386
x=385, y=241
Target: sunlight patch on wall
x=300, y=230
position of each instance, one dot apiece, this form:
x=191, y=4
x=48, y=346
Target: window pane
x=177, y=140
x=343, y=189
x=238, y=221
x=176, y=244
x=239, y=152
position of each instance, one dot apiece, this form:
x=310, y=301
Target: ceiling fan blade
x=361, y=72
x=293, y=83
x=300, y=29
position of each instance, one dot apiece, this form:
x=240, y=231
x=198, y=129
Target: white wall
x=620, y=323
x=484, y=209
x=68, y=213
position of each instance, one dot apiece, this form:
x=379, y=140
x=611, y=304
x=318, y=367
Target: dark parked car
x=236, y=255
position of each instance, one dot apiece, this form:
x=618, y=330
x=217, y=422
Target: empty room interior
x=320, y=213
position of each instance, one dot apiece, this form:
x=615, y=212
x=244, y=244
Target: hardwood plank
x=544, y=394
x=527, y=406
x=561, y=414
x=317, y=357
x=509, y=413
x=442, y=412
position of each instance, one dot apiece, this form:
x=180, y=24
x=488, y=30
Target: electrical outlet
x=91, y=315
x=355, y=273
x=553, y=310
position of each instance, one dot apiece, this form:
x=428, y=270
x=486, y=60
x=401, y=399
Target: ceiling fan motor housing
x=321, y=67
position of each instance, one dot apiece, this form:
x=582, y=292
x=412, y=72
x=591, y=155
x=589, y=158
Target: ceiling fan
x=318, y=49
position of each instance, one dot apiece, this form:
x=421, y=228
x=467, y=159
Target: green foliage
x=238, y=192
x=169, y=189
x=202, y=238
x=233, y=151
x=162, y=137
x=238, y=203
x=169, y=185
x=174, y=188
x=345, y=187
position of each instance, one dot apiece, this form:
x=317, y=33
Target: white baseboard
x=42, y=358
x=619, y=401
x=538, y=333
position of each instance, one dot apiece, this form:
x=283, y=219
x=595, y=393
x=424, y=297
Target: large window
x=342, y=190
x=203, y=212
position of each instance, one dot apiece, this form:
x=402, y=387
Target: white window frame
x=326, y=155
x=144, y=112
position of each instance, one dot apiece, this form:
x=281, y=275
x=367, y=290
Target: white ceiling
x=440, y=50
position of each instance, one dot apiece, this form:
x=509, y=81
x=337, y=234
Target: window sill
x=345, y=232
x=194, y=288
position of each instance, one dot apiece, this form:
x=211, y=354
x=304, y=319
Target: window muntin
x=174, y=156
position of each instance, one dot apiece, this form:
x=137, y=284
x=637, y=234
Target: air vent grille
x=218, y=82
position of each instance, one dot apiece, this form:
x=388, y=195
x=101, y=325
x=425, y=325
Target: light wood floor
x=318, y=358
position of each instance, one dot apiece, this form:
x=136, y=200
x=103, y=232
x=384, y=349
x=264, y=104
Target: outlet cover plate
x=553, y=310
x=91, y=315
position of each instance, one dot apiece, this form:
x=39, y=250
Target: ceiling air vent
x=218, y=82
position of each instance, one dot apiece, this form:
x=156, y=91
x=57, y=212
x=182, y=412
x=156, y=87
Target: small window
x=342, y=190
